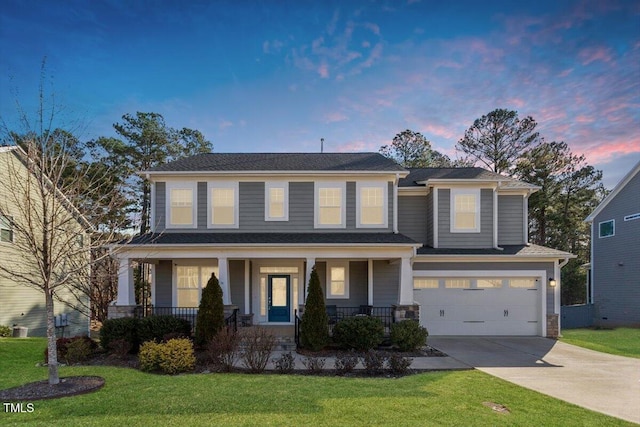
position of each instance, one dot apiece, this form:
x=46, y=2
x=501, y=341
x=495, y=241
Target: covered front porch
x=267, y=286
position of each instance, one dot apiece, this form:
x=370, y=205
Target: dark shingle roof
x=508, y=250
x=228, y=162
x=423, y=174
x=271, y=238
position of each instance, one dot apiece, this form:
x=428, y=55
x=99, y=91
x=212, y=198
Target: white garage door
x=479, y=306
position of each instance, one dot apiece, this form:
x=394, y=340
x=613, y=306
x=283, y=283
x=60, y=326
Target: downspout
x=395, y=204
x=495, y=217
x=557, y=293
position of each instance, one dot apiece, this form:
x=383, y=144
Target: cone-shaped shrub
x=315, y=323
x=210, y=317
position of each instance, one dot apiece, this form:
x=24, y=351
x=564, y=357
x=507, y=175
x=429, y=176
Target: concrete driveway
x=601, y=382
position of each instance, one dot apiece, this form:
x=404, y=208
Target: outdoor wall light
x=552, y=282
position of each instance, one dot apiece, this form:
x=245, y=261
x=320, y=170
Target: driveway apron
x=598, y=381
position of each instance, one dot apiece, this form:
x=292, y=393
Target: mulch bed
x=69, y=386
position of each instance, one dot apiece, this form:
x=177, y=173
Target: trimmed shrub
x=408, y=335
x=314, y=365
x=162, y=328
x=257, y=344
x=5, y=331
x=373, y=362
x=210, y=317
x=314, y=333
x=359, y=332
x=125, y=328
x=177, y=356
x=398, y=364
x=285, y=363
x=81, y=347
x=173, y=357
x=149, y=356
x=223, y=350
x=346, y=362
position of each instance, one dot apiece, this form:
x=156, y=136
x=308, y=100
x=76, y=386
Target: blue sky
x=279, y=75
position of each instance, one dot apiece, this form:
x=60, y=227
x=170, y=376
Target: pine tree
x=315, y=323
x=210, y=317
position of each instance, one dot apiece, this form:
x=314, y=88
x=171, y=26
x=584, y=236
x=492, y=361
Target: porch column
x=405, y=291
x=223, y=278
x=126, y=288
x=310, y=263
x=370, y=281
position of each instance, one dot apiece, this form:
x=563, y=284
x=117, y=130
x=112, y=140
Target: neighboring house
x=615, y=254
x=447, y=246
x=21, y=305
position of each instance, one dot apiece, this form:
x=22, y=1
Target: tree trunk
x=52, y=361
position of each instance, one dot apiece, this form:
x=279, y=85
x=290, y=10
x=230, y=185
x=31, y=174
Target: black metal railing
x=187, y=313
x=335, y=314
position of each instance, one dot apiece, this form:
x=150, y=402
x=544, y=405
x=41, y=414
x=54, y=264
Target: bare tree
x=54, y=245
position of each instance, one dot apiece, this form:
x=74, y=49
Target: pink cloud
x=609, y=151
x=334, y=117
x=323, y=71
x=584, y=119
x=589, y=55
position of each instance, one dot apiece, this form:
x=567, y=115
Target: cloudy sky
x=278, y=75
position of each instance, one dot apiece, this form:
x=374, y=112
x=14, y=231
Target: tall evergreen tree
x=315, y=322
x=412, y=150
x=210, y=317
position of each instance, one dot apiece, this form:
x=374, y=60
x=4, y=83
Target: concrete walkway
x=601, y=382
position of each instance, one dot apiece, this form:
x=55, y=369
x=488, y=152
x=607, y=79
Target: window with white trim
x=465, y=210
x=190, y=281
x=276, y=197
x=181, y=205
x=371, y=204
x=223, y=204
x=337, y=280
x=6, y=229
x=607, y=228
x=425, y=283
x=330, y=205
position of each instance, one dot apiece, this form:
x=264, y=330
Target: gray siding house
x=615, y=254
x=446, y=246
x=21, y=305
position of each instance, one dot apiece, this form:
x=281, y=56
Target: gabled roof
x=419, y=177
x=272, y=239
x=282, y=162
x=628, y=177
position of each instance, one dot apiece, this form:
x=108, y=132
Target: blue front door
x=279, y=289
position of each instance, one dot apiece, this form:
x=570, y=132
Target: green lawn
x=134, y=398
x=620, y=341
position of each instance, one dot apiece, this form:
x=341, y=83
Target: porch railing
x=187, y=313
x=335, y=314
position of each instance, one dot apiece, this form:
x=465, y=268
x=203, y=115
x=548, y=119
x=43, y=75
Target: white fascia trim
x=236, y=200
x=413, y=191
x=491, y=258
x=342, y=185
x=384, y=186
x=175, y=185
x=268, y=185
x=452, y=211
x=633, y=172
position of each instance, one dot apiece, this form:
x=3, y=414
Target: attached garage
x=481, y=302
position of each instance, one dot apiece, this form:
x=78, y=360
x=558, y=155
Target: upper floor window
x=6, y=229
x=465, y=210
x=276, y=196
x=337, y=280
x=607, y=228
x=330, y=205
x=223, y=204
x=371, y=204
x=181, y=211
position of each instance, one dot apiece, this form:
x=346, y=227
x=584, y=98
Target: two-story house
x=615, y=260
x=20, y=304
x=447, y=246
